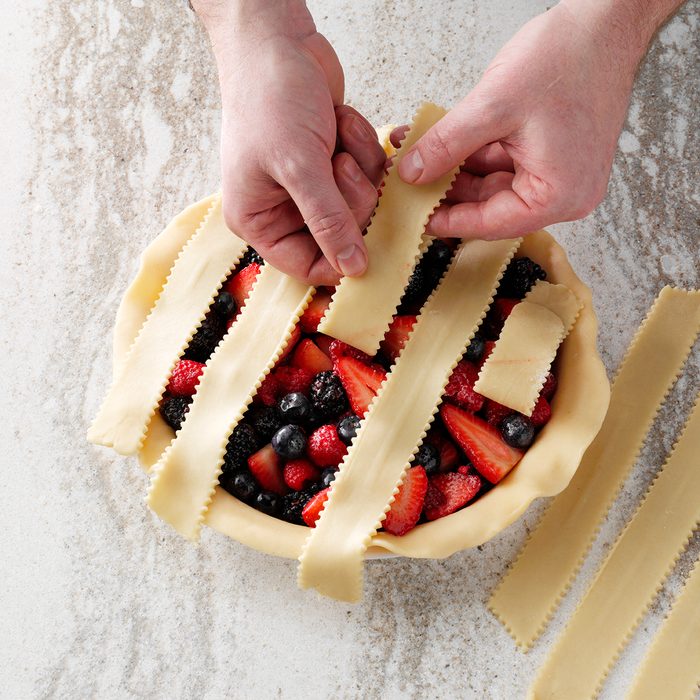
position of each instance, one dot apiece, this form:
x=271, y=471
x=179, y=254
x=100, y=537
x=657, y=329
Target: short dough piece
x=184, y=479
x=362, y=307
x=196, y=276
x=397, y=420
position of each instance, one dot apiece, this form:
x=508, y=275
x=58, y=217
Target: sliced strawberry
x=449, y=457
x=460, y=387
x=313, y=508
x=299, y=473
x=324, y=343
x=242, y=282
x=550, y=386
x=541, y=413
x=291, y=343
x=185, y=377
x=481, y=442
x=314, y=311
x=408, y=504
x=310, y=357
x=397, y=335
x=338, y=349
x=292, y=379
x=449, y=492
x=325, y=448
x=496, y=412
x=265, y=466
x=360, y=381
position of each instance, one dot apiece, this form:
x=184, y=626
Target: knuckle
x=437, y=146
x=329, y=228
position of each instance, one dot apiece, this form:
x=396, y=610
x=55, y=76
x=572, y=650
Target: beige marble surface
x=110, y=118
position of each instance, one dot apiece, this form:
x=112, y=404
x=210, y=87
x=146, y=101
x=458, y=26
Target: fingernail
x=351, y=170
x=411, y=167
x=360, y=130
x=352, y=261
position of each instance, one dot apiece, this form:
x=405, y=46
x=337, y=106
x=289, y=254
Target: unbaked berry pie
x=417, y=410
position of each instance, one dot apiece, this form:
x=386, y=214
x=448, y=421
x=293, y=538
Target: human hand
x=538, y=133
x=286, y=190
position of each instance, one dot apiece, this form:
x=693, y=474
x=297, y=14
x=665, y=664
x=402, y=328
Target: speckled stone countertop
x=110, y=120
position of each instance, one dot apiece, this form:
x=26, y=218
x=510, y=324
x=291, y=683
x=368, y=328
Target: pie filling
x=282, y=457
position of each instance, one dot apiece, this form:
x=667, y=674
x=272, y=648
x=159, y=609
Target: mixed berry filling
x=283, y=455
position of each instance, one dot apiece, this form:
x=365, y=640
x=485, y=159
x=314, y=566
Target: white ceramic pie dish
x=578, y=409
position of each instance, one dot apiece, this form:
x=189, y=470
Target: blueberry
x=268, y=502
x=289, y=442
x=348, y=427
x=251, y=256
x=224, y=305
x=295, y=408
x=240, y=484
x=517, y=430
x=327, y=476
x=476, y=348
x=429, y=457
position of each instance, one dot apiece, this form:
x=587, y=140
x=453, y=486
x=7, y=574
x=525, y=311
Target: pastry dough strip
x=361, y=308
x=187, y=473
x=530, y=592
x=397, y=420
x=630, y=578
x=516, y=369
x=195, y=278
x=671, y=668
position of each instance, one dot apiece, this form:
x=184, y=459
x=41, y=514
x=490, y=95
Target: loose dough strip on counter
x=630, y=577
x=398, y=418
x=671, y=668
x=516, y=369
x=530, y=592
x=362, y=307
x=186, y=475
x=194, y=280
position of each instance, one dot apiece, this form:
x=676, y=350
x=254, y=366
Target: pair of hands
x=536, y=137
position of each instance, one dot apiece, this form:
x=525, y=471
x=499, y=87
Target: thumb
x=328, y=216
x=462, y=131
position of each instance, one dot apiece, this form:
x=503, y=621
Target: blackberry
x=293, y=503
x=328, y=476
x=174, y=409
x=268, y=502
x=266, y=422
x=295, y=408
x=438, y=256
x=348, y=427
x=519, y=276
x=241, y=444
x=240, y=484
x=206, y=338
x=289, y=442
x=517, y=430
x=427, y=273
x=327, y=395
x=428, y=456
x=251, y=256
x=224, y=305
x=476, y=348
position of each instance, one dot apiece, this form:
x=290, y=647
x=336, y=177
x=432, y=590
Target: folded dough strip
x=630, y=578
x=530, y=592
x=671, y=668
x=362, y=308
x=398, y=418
x=185, y=478
x=195, y=278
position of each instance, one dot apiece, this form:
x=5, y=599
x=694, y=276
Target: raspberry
x=325, y=448
x=269, y=391
x=496, y=412
x=293, y=379
x=541, y=413
x=460, y=388
x=550, y=386
x=299, y=473
x=185, y=377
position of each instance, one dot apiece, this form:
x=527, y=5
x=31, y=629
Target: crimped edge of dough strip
x=631, y=576
x=547, y=564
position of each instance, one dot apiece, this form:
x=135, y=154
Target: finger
x=397, y=135
x=459, y=134
x=359, y=193
x=327, y=215
x=489, y=159
x=505, y=215
x=471, y=188
x=359, y=139
x=270, y=224
x=298, y=254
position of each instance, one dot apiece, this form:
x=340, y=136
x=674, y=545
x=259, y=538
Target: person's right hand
x=286, y=189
